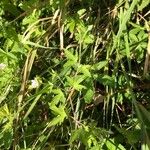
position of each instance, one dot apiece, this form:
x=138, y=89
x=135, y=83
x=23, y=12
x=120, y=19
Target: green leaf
x=144, y=147
x=69, y=64
x=89, y=96
x=78, y=87
x=99, y=65
x=88, y=39
x=59, y=97
x=56, y=121
x=70, y=81
x=136, y=28
x=32, y=18
x=133, y=37
x=85, y=69
x=8, y=138
x=75, y=82
x=132, y=136
x=125, y=18
x=79, y=78
x=75, y=134
x=71, y=25
x=145, y=115
x=81, y=12
x=8, y=54
x=4, y=112
x=106, y=80
x=143, y=4
x=70, y=56
x=111, y=145
x=141, y=35
x=27, y=5
x=32, y=106
x=60, y=115
x=10, y=8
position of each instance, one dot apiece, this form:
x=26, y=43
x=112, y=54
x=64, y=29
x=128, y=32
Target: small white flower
x=34, y=83
x=2, y=66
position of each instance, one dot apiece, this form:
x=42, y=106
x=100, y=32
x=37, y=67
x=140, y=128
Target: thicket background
x=74, y=74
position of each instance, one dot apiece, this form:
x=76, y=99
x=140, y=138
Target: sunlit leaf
x=70, y=56
x=111, y=145
x=143, y=4
x=81, y=12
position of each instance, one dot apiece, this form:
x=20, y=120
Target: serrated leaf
x=60, y=115
x=70, y=81
x=4, y=112
x=57, y=120
x=57, y=110
x=85, y=70
x=79, y=87
x=70, y=56
x=75, y=82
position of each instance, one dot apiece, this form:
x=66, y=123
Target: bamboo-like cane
x=147, y=59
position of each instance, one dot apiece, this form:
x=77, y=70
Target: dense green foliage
x=74, y=74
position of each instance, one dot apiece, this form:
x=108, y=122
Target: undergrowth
x=74, y=74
